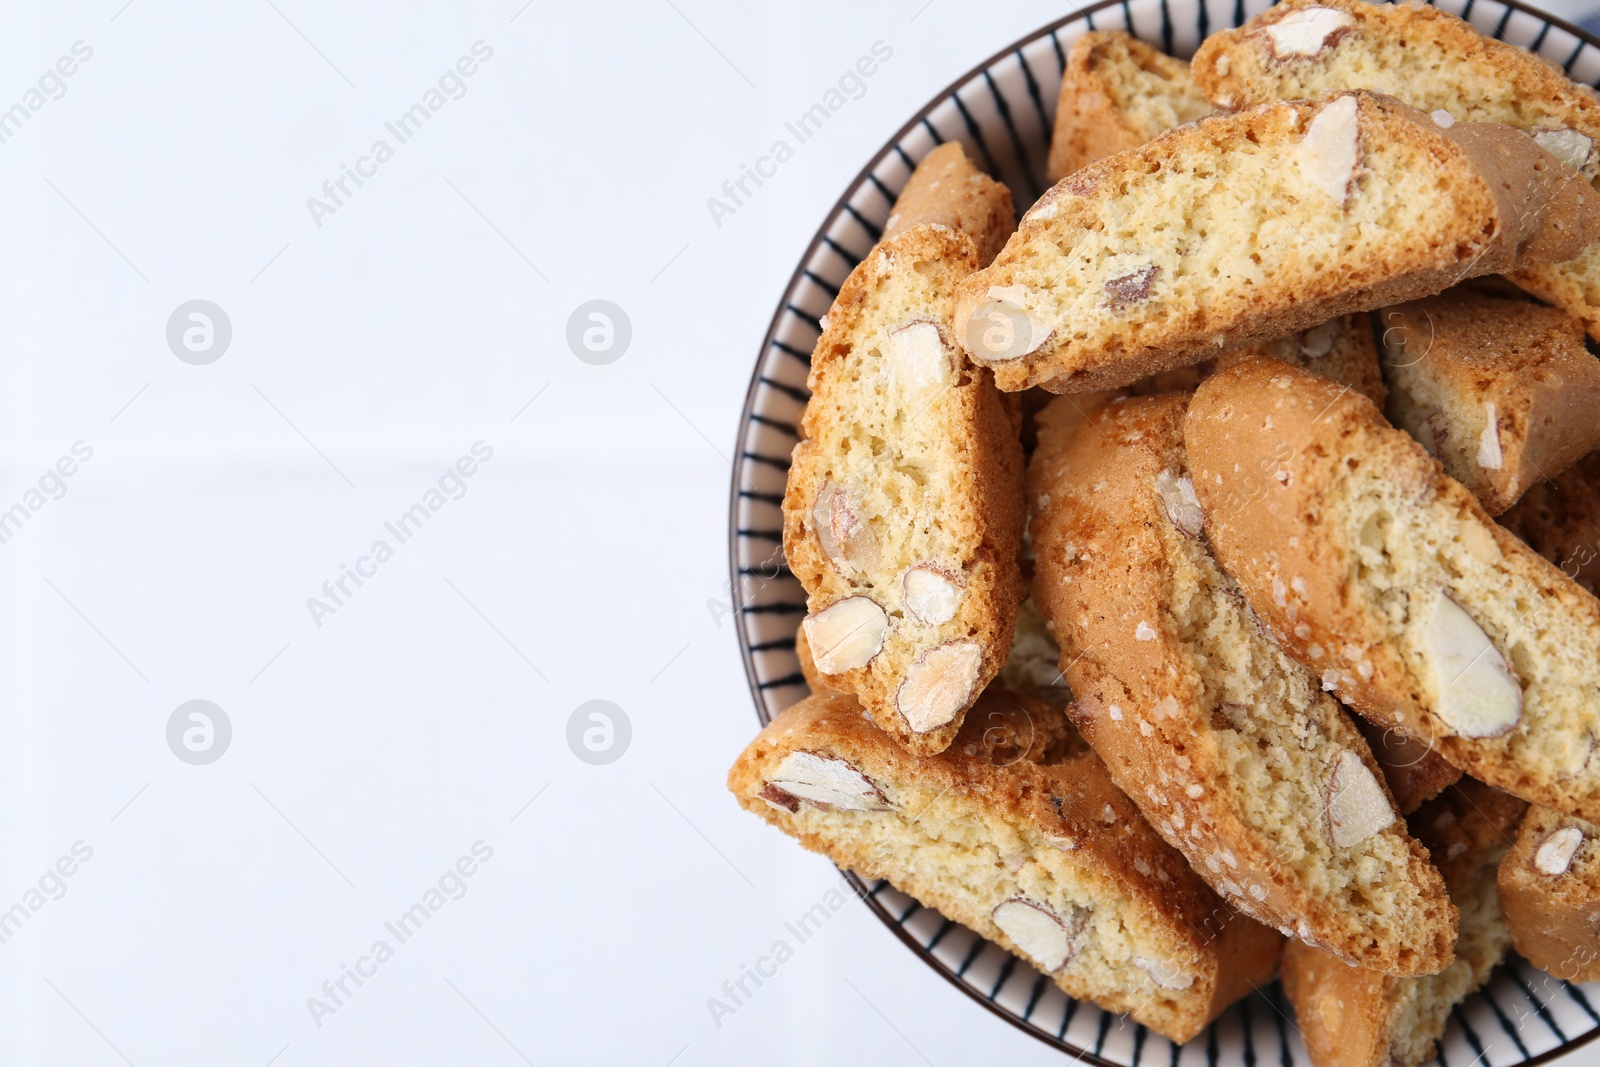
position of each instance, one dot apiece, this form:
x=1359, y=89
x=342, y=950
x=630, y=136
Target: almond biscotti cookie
x=1342, y=349
x=1117, y=92
x=1560, y=520
x=1017, y=833
x=1550, y=890
x=1433, y=61
x=1244, y=227
x=1229, y=747
x=903, y=510
x=1353, y=1017
x=1386, y=578
x=1502, y=393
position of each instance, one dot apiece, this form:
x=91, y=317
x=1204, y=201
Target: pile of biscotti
x=1201, y=572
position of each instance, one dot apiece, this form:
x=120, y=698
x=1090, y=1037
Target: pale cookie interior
x=1406, y=552
x=969, y=853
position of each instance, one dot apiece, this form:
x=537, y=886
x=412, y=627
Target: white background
x=587, y=559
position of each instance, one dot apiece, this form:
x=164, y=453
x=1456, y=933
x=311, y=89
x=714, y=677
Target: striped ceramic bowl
x=1002, y=111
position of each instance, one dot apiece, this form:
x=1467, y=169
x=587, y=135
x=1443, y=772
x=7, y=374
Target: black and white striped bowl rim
x=1002, y=112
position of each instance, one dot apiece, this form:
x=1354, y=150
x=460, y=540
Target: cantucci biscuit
x=1229, y=747
x=1353, y=1017
x=1117, y=92
x=1560, y=520
x=1245, y=227
x=1502, y=393
x=1550, y=890
x=1015, y=832
x=1433, y=61
x=903, y=510
x=1387, y=579
x=1342, y=349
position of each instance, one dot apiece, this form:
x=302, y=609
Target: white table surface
x=586, y=559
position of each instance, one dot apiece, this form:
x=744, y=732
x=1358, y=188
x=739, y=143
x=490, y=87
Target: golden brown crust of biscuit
x=1560, y=520
x=1342, y=1011
x=1502, y=202
x=947, y=190
x=1019, y=769
x=1093, y=118
x=1451, y=355
x=1113, y=587
x=1272, y=449
x=1554, y=920
x=979, y=431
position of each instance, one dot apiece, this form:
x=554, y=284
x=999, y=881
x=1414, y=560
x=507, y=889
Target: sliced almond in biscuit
x=846, y=635
x=1472, y=689
x=826, y=780
x=919, y=365
x=1554, y=854
x=939, y=685
x=930, y=594
x=1178, y=500
x=1164, y=973
x=1328, y=154
x=1357, y=804
x=1047, y=938
x=1306, y=32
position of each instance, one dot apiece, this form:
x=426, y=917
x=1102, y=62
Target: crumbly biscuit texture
x=1117, y=93
x=1560, y=520
x=1433, y=61
x=1245, y=227
x=1387, y=579
x=1353, y=1017
x=1502, y=392
x=1550, y=890
x=1017, y=832
x=903, y=509
x=1229, y=747
x=1342, y=349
